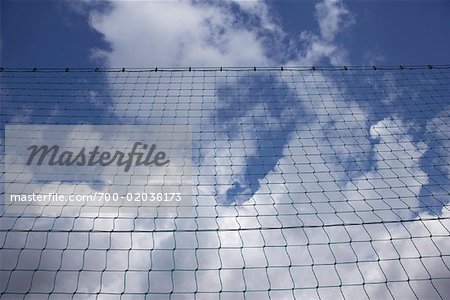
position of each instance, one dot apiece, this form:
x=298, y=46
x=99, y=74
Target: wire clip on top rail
x=221, y=69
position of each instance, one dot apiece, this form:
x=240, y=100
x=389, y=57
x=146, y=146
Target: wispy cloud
x=180, y=33
x=233, y=33
x=333, y=19
x=188, y=33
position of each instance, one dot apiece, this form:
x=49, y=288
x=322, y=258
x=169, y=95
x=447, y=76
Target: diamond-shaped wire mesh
x=326, y=183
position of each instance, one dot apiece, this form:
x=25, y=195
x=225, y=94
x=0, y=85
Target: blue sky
x=147, y=34
x=284, y=160
x=56, y=33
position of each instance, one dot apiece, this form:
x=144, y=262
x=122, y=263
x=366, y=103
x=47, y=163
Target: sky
x=284, y=161
x=74, y=33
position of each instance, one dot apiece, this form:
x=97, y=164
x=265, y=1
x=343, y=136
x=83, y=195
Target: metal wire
x=324, y=182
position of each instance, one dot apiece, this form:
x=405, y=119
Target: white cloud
x=333, y=19
x=177, y=33
x=364, y=253
x=439, y=127
x=261, y=11
x=395, y=155
x=182, y=33
x=192, y=33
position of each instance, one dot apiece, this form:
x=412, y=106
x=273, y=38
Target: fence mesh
x=308, y=183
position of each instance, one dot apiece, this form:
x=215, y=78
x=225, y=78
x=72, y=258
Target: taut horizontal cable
x=215, y=69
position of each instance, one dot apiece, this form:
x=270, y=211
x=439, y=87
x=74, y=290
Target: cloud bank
x=329, y=158
x=232, y=33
